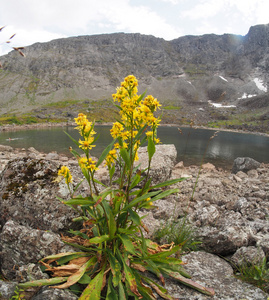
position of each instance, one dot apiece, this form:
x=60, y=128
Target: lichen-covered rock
x=47, y=293
x=29, y=195
x=248, y=256
x=21, y=245
x=244, y=164
x=7, y=289
x=163, y=161
x=212, y=271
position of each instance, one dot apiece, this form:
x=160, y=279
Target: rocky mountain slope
x=184, y=74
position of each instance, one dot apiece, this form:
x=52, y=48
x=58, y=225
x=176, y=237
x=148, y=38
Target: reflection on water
x=191, y=144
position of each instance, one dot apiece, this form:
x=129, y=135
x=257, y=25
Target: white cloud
x=203, y=9
x=39, y=21
x=49, y=19
x=174, y=2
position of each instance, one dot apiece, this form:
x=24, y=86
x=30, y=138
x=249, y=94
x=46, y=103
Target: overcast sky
x=43, y=20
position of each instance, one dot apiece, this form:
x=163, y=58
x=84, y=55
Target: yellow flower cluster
x=111, y=157
x=86, y=130
x=64, y=171
x=135, y=114
x=87, y=163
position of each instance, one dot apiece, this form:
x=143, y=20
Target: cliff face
x=189, y=69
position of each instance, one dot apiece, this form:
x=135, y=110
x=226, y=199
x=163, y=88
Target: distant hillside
x=185, y=72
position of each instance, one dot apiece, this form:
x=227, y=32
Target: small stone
x=248, y=255
x=208, y=167
x=237, y=179
x=52, y=156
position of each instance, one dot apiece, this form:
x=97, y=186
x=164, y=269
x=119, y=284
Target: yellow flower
x=151, y=102
x=149, y=133
x=115, y=131
x=82, y=162
x=111, y=157
x=86, y=144
x=88, y=163
x=64, y=171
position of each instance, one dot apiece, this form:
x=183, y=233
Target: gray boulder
x=244, y=164
x=212, y=271
x=22, y=246
x=46, y=293
x=248, y=256
x=28, y=193
x=7, y=289
x=162, y=163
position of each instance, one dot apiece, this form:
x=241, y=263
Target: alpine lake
x=194, y=146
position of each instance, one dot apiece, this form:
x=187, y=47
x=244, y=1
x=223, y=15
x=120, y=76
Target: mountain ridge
x=187, y=71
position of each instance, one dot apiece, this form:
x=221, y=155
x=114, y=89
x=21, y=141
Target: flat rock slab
x=211, y=271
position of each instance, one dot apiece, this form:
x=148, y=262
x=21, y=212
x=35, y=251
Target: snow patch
x=246, y=96
x=260, y=85
x=219, y=105
x=223, y=78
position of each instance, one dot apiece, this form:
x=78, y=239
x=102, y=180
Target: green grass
x=63, y=104
x=256, y=274
x=247, y=120
x=179, y=232
x=171, y=107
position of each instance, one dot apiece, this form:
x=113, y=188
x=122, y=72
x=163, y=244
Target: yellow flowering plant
x=115, y=257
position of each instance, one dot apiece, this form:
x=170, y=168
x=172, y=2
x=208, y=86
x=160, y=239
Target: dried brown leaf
x=64, y=271
x=145, y=227
x=139, y=267
x=79, y=261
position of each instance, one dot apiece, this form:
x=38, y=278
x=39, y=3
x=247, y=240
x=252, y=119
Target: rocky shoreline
x=229, y=212
x=15, y=127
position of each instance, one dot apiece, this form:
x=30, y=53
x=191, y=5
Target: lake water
x=191, y=144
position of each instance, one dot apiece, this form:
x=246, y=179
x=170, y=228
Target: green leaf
x=151, y=147
x=93, y=290
x=60, y=255
x=111, y=292
x=140, y=132
x=161, y=291
x=42, y=282
x=122, y=292
x=105, y=153
x=75, y=141
x=136, y=180
x=138, y=199
x=125, y=156
x=85, y=279
x=190, y=283
x=87, y=249
x=115, y=268
x=128, y=245
x=112, y=225
x=63, y=260
x=141, y=97
x=79, y=233
x=159, y=195
x=77, y=186
x=128, y=231
x=79, y=201
x=99, y=239
x=134, y=216
x=130, y=278
x=111, y=172
x=168, y=182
